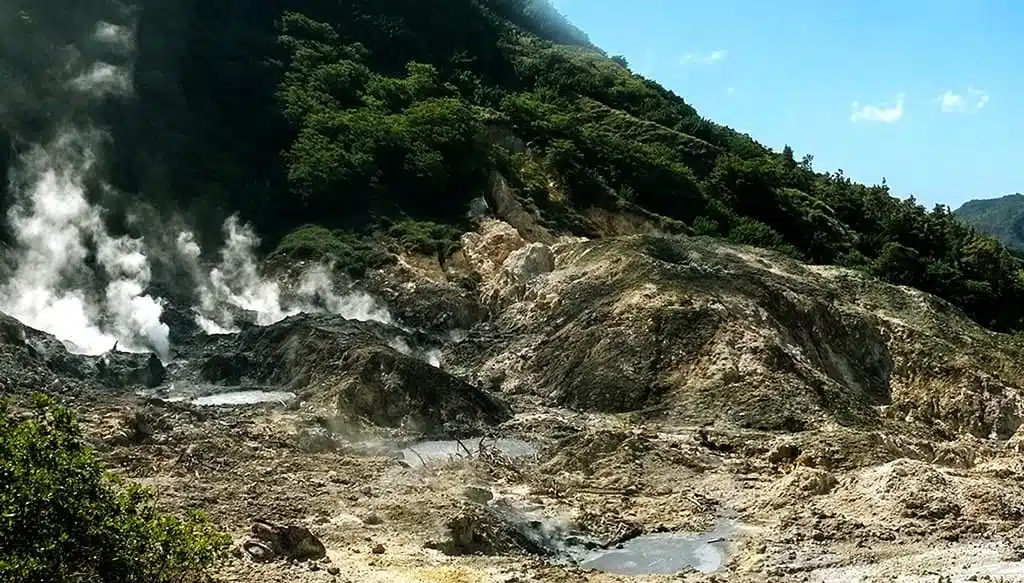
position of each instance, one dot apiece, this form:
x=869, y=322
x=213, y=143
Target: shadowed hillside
x=379, y=121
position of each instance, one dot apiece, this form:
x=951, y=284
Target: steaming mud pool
x=239, y=398
x=219, y=397
x=665, y=553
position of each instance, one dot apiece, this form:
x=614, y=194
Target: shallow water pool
x=429, y=452
x=239, y=398
x=661, y=554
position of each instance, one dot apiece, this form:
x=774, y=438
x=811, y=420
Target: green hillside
x=376, y=118
x=1002, y=218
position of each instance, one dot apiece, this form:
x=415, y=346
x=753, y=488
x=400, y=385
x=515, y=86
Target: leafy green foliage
x=359, y=115
x=64, y=519
x=365, y=140
x=426, y=237
x=346, y=251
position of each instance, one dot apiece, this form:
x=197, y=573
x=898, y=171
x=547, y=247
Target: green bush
x=426, y=237
x=667, y=248
x=348, y=252
x=706, y=226
x=63, y=519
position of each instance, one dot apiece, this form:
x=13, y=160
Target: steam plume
x=52, y=288
x=235, y=284
x=72, y=278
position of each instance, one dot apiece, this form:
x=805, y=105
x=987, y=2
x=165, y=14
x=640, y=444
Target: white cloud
x=971, y=102
x=703, y=59
x=731, y=90
x=885, y=113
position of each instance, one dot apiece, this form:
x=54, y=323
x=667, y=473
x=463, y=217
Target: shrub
x=346, y=251
x=63, y=519
x=426, y=237
x=667, y=248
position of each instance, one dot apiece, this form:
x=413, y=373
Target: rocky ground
x=824, y=426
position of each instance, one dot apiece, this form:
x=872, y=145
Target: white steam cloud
x=71, y=278
x=431, y=356
x=235, y=286
x=114, y=36
x=103, y=79
x=75, y=280
x=51, y=288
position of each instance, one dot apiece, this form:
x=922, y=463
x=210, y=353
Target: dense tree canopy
x=358, y=117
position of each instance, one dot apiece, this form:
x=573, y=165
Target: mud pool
x=432, y=452
x=666, y=553
x=661, y=554
x=222, y=398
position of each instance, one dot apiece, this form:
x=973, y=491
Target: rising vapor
x=71, y=276
x=236, y=283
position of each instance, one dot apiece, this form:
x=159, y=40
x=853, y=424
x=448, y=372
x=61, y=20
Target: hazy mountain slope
x=1002, y=218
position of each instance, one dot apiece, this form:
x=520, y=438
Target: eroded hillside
x=340, y=128
x=817, y=422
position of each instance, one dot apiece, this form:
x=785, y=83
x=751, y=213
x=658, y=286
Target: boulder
x=348, y=367
x=288, y=541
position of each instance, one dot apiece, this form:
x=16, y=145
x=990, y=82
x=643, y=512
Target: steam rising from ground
x=236, y=286
x=52, y=288
x=72, y=278
x=431, y=356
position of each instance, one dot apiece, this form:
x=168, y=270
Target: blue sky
x=937, y=84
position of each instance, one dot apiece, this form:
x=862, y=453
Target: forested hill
x=1002, y=218
x=384, y=118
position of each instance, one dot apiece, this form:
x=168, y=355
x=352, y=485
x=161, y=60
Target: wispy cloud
x=885, y=113
x=971, y=102
x=731, y=90
x=711, y=58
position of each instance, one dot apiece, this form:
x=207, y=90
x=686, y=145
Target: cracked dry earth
x=817, y=424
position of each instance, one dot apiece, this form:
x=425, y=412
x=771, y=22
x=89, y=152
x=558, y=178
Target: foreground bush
x=63, y=519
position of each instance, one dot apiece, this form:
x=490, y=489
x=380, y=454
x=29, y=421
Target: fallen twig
x=463, y=446
x=422, y=461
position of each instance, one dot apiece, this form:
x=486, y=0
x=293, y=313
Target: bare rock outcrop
x=346, y=366
x=510, y=282
x=32, y=360
x=700, y=331
x=487, y=248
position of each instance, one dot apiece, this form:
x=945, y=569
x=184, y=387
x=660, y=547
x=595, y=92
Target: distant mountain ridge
x=1002, y=218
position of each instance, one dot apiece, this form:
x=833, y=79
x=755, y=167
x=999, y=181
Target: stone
x=477, y=494
x=292, y=541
